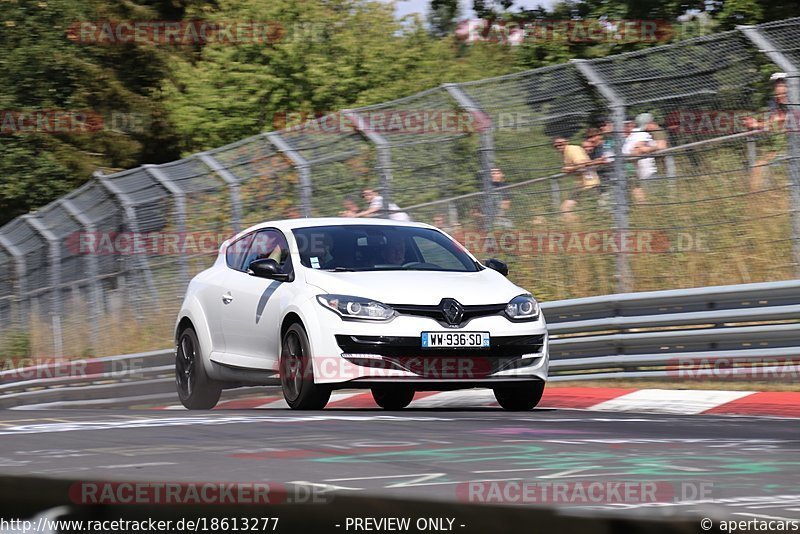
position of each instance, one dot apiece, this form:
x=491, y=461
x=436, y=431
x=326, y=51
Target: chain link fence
x=103, y=269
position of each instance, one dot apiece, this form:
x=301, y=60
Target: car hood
x=418, y=287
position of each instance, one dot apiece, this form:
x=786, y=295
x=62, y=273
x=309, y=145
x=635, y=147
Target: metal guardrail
x=676, y=333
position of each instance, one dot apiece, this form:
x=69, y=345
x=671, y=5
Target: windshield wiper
x=341, y=270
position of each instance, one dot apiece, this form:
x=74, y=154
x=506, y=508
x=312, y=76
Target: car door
x=216, y=288
x=251, y=308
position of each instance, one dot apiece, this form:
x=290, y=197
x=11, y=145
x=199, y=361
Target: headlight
x=356, y=308
x=523, y=308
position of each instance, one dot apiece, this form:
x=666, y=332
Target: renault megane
x=322, y=304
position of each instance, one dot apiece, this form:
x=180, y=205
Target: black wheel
x=297, y=373
x=519, y=398
x=195, y=389
x=393, y=397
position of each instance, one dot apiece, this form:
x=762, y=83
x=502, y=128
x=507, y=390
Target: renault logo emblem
x=452, y=310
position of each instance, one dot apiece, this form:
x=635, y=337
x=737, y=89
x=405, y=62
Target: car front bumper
x=357, y=353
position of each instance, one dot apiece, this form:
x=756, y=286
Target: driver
x=394, y=252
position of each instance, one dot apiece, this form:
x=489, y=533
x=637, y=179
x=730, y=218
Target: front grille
x=435, y=312
x=410, y=347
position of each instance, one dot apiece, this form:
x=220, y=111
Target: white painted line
x=469, y=398
x=279, y=404
x=126, y=466
x=688, y=402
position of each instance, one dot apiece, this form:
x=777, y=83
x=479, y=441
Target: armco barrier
x=633, y=335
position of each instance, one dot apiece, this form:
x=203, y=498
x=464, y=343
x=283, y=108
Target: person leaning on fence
x=350, y=207
x=375, y=206
x=576, y=161
x=774, y=125
x=639, y=143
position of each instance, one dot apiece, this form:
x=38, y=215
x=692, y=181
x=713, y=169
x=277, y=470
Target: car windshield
x=380, y=248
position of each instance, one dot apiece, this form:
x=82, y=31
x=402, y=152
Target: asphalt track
x=740, y=467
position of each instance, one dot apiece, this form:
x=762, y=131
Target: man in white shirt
x=375, y=202
x=638, y=143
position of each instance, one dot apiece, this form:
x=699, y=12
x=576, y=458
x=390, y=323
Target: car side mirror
x=497, y=265
x=267, y=268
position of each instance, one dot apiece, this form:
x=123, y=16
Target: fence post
x=303, y=167
x=486, y=155
x=792, y=127
x=133, y=225
x=180, y=214
x=21, y=313
x=54, y=263
x=617, y=105
x=233, y=188
x=384, y=150
x=91, y=264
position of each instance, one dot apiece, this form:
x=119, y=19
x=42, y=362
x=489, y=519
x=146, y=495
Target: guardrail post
x=180, y=214
x=95, y=293
x=792, y=127
x=384, y=150
x=486, y=155
x=21, y=313
x=132, y=223
x=233, y=188
x=303, y=168
x=54, y=264
x=617, y=104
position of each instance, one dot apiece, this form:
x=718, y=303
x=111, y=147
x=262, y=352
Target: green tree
x=44, y=70
x=443, y=16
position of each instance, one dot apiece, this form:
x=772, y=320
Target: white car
x=324, y=304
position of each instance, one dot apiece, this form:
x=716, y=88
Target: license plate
x=455, y=340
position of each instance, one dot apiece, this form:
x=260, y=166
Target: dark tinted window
x=268, y=244
x=237, y=250
x=379, y=247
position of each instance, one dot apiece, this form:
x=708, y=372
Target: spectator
x=576, y=161
x=639, y=143
x=502, y=220
x=350, y=207
x=595, y=147
x=498, y=178
x=776, y=141
x=604, y=154
x=375, y=206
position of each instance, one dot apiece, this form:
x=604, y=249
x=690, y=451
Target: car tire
x=393, y=397
x=297, y=372
x=196, y=390
x=519, y=398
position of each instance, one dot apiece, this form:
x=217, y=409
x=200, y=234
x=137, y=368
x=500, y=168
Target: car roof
x=291, y=224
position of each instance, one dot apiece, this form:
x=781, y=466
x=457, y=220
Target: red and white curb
x=665, y=401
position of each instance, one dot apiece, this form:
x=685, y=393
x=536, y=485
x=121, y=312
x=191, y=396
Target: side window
x=237, y=250
x=268, y=244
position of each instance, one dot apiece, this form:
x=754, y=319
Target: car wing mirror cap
x=267, y=268
x=497, y=265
